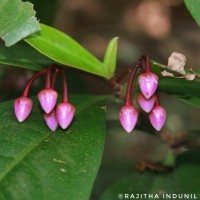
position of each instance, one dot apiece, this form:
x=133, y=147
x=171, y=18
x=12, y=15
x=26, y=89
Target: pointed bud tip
x=128, y=116
x=148, y=83
x=146, y=104
x=65, y=113
x=158, y=117
x=22, y=107
x=51, y=120
x=47, y=99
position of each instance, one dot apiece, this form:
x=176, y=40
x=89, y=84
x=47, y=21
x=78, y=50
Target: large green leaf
x=184, y=179
x=23, y=55
x=36, y=163
x=64, y=50
x=17, y=21
x=185, y=90
x=110, y=55
x=194, y=6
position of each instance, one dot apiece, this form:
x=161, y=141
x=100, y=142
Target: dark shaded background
x=154, y=27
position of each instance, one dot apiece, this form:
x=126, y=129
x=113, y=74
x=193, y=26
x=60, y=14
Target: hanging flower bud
x=158, y=117
x=146, y=104
x=23, y=107
x=128, y=116
x=47, y=98
x=148, y=83
x=65, y=114
x=51, y=120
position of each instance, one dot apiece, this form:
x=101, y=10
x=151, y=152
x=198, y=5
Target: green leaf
x=143, y=183
x=187, y=91
x=17, y=21
x=64, y=50
x=23, y=55
x=187, y=171
x=110, y=55
x=194, y=6
x=184, y=179
x=36, y=163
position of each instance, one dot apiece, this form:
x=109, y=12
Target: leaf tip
x=110, y=55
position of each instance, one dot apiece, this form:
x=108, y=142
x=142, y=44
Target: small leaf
x=64, y=50
x=110, y=55
x=17, y=21
x=194, y=7
x=36, y=163
x=23, y=55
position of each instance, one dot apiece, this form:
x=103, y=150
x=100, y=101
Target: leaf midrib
x=22, y=156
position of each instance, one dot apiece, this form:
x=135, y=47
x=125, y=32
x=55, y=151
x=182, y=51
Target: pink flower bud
x=128, y=117
x=148, y=83
x=146, y=104
x=47, y=98
x=65, y=114
x=158, y=117
x=51, y=120
x=23, y=107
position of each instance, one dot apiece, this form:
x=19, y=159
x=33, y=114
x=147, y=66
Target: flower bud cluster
x=147, y=99
x=62, y=114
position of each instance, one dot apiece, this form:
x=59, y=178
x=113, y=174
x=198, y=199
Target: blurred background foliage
x=156, y=28
x=153, y=27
